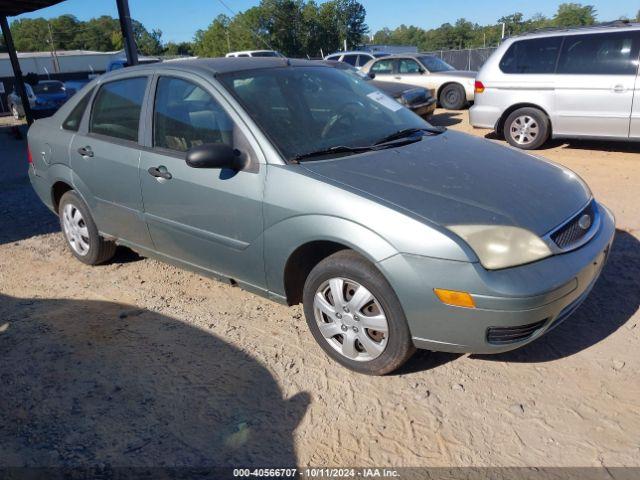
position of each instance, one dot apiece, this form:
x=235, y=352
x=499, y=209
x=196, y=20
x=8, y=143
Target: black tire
x=349, y=264
x=453, y=97
x=538, y=122
x=100, y=250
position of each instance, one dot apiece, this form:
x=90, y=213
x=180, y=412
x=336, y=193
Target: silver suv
x=562, y=83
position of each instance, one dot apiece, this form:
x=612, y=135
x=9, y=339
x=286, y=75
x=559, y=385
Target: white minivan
x=562, y=83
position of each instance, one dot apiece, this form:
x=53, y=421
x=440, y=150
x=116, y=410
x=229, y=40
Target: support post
x=130, y=47
x=17, y=73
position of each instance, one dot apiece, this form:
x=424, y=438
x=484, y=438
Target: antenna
x=255, y=34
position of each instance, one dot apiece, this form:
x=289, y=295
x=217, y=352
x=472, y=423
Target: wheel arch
x=58, y=189
x=294, y=246
x=500, y=123
x=446, y=84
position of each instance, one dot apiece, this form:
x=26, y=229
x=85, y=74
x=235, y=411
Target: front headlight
x=502, y=246
x=402, y=100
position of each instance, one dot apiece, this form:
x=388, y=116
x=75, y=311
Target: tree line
x=297, y=28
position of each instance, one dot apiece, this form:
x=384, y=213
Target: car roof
x=405, y=55
x=351, y=52
x=617, y=26
x=221, y=65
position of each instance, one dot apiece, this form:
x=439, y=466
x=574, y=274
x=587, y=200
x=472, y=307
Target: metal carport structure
x=11, y=8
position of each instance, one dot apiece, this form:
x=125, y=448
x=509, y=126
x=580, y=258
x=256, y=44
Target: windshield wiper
x=409, y=132
x=329, y=151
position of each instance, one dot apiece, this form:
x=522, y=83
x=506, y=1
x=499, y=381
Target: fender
x=283, y=238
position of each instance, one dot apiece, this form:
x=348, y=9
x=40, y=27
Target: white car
x=254, y=53
x=580, y=82
x=356, y=58
x=453, y=88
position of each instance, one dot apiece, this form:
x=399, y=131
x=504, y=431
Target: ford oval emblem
x=585, y=222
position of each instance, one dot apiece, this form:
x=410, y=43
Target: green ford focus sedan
x=306, y=184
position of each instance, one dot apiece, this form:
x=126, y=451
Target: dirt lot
x=140, y=363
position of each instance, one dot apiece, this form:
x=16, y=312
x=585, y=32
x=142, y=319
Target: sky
x=179, y=20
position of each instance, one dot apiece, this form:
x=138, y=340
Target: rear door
x=594, y=84
x=104, y=157
x=409, y=71
x=384, y=69
x=210, y=218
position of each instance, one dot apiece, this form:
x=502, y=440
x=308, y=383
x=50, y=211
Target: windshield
x=434, y=64
x=306, y=109
x=48, y=87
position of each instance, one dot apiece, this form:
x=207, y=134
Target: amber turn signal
x=457, y=299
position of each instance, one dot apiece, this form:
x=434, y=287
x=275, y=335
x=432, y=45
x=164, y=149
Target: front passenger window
x=186, y=116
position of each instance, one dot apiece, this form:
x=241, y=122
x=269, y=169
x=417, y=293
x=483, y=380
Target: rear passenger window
x=600, y=54
x=75, y=117
x=116, y=109
x=350, y=59
x=383, y=67
x=538, y=55
x=186, y=116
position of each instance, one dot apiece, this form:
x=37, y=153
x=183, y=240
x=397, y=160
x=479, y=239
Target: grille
x=504, y=335
x=572, y=232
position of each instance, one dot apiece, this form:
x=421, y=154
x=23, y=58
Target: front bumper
x=425, y=109
x=530, y=299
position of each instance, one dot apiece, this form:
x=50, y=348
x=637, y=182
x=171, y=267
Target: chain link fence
x=467, y=59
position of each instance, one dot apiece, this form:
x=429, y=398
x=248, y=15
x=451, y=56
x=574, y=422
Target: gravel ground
x=137, y=363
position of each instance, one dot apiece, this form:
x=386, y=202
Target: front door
x=104, y=157
x=594, y=84
x=209, y=218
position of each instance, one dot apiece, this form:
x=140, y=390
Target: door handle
x=397, y=77
x=619, y=88
x=85, y=151
x=160, y=172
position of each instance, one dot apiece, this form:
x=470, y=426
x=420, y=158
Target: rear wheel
x=527, y=128
x=355, y=316
x=81, y=233
x=453, y=97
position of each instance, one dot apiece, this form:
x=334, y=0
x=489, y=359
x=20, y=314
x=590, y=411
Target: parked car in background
x=454, y=88
x=418, y=99
x=254, y=53
x=356, y=58
x=45, y=98
x=580, y=83
x=393, y=234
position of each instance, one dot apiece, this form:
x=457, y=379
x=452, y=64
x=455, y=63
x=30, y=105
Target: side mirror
x=215, y=155
x=422, y=71
x=371, y=75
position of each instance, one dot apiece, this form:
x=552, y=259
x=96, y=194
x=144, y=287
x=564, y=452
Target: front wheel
x=453, y=97
x=355, y=316
x=81, y=233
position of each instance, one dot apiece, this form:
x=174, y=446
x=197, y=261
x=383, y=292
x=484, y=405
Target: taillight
x=29, y=157
x=479, y=87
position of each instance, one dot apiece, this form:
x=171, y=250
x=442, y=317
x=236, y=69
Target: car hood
x=458, y=73
x=455, y=179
